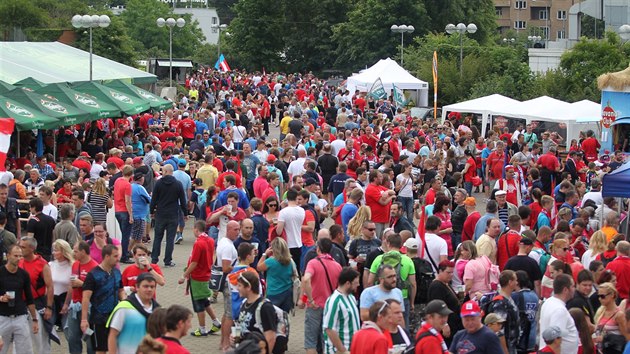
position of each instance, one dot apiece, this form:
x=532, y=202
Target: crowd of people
x=357, y=213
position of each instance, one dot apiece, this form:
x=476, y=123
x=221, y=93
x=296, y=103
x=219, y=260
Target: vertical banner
x=435, y=84
x=7, y=126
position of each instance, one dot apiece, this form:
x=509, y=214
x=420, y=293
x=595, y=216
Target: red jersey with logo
x=35, y=269
x=131, y=273
x=81, y=270
x=188, y=128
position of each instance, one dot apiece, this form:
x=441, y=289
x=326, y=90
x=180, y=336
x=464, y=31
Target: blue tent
x=617, y=183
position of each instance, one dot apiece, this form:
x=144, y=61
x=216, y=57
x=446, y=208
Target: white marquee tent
x=486, y=106
x=390, y=74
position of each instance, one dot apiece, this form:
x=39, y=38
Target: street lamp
x=534, y=39
x=624, y=32
x=219, y=28
x=461, y=29
x=509, y=41
x=402, y=29
x=90, y=21
x=170, y=23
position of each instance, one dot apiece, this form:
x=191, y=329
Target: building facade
x=545, y=18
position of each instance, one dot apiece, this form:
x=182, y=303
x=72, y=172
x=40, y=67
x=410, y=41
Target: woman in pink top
x=475, y=277
x=101, y=238
x=466, y=251
x=441, y=210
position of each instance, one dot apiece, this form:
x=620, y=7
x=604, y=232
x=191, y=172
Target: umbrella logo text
x=54, y=106
x=120, y=97
x=19, y=110
x=147, y=95
x=86, y=101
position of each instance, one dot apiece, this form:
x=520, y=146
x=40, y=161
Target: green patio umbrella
x=96, y=108
x=26, y=117
x=30, y=83
x=64, y=113
x=156, y=101
x=127, y=104
x=5, y=86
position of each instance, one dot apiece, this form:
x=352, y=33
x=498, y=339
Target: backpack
x=544, y=259
x=492, y=275
x=606, y=260
x=394, y=259
x=424, y=278
x=524, y=322
x=282, y=329
x=412, y=348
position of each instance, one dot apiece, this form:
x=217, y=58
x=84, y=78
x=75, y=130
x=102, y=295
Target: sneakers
x=199, y=333
x=215, y=328
x=179, y=238
x=169, y=265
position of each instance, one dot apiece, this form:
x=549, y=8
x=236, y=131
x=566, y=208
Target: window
x=215, y=20
x=544, y=32
x=542, y=15
x=520, y=4
x=562, y=14
x=498, y=11
x=561, y=35
x=520, y=24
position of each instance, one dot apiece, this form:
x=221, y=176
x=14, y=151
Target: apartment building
x=545, y=18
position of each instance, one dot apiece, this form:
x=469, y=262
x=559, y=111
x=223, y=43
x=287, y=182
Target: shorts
x=200, y=305
x=99, y=337
x=313, y=327
x=138, y=229
x=227, y=302
x=180, y=219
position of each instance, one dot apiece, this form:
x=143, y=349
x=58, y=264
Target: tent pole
x=627, y=221
x=18, y=141
x=55, y=143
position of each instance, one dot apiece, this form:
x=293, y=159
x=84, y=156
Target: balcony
x=502, y=3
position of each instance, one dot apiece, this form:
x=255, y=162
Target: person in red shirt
x=507, y=245
x=82, y=265
x=590, y=146
x=178, y=323
x=142, y=265
x=369, y=138
x=123, y=211
x=553, y=340
x=468, y=232
x=494, y=165
x=230, y=165
x=429, y=340
x=511, y=185
x=348, y=153
x=115, y=158
x=187, y=128
x=370, y=339
x=394, y=147
x=360, y=102
x=549, y=166
x=379, y=199
x=198, y=273
x=308, y=225
x=82, y=162
x=621, y=267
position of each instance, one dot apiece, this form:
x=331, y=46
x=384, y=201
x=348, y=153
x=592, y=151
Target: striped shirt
x=341, y=314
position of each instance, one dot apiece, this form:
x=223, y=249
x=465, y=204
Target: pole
x=90, y=53
x=219, y=43
x=547, y=27
x=402, y=43
x=461, y=56
x=170, y=55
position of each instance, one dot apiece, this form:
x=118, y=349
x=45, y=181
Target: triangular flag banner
x=222, y=64
x=399, y=97
x=377, y=91
x=7, y=126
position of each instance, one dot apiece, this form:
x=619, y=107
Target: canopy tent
x=114, y=97
x=26, y=117
x=486, y=106
x=30, y=83
x=64, y=114
x=4, y=87
x=54, y=62
x=390, y=74
x=155, y=101
x=586, y=111
x=64, y=94
x=615, y=184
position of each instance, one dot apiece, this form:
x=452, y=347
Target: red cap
x=271, y=158
x=396, y=131
x=69, y=132
x=470, y=308
x=84, y=154
x=137, y=160
x=509, y=167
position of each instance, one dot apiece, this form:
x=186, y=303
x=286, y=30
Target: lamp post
x=508, y=41
x=534, y=39
x=402, y=29
x=624, y=32
x=90, y=21
x=219, y=28
x=461, y=29
x=170, y=23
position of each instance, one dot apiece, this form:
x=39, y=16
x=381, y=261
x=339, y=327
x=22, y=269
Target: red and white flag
x=7, y=126
x=222, y=64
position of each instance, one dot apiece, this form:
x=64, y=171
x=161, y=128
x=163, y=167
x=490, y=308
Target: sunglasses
x=273, y=205
x=602, y=296
x=385, y=304
x=566, y=249
x=241, y=277
x=370, y=229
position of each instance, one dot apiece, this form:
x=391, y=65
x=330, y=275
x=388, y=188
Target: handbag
x=476, y=181
x=613, y=343
x=217, y=277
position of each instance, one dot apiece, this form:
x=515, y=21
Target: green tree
x=255, y=39
x=206, y=54
x=19, y=15
x=224, y=9
x=366, y=36
x=479, y=12
x=111, y=42
x=140, y=19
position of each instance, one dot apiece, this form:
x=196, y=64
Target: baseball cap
x=137, y=176
x=396, y=131
x=84, y=154
x=552, y=333
x=470, y=308
x=137, y=160
x=526, y=241
x=309, y=182
x=500, y=192
x=412, y=243
x=493, y=318
x=185, y=114
x=437, y=306
x=181, y=162
x=509, y=167
x=271, y=158
x=470, y=201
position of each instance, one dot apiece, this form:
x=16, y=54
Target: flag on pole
x=7, y=126
x=377, y=91
x=399, y=97
x=435, y=83
x=222, y=64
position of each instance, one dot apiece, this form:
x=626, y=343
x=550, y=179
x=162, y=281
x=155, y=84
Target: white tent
x=482, y=105
x=390, y=74
x=587, y=111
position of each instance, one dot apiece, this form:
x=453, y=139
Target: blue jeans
x=125, y=229
x=407, y=204
x=284, y=300
x=468, y=186
x=406, y=312
x=305, y=249
x=72, y=330
x=168, y=225
x=456, y=239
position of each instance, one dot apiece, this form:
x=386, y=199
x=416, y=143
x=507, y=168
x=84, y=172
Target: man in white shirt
x=595, y=194
x=436, y=249
x=290, y=220
x=297, y=167
x=45, y=194
x=226, y=258
x=554, y=313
